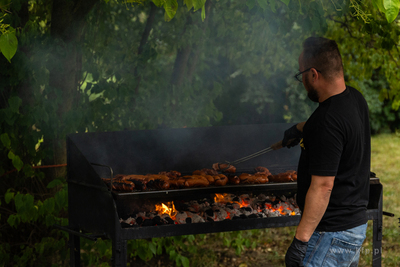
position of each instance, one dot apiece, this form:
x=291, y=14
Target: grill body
x=94, y=210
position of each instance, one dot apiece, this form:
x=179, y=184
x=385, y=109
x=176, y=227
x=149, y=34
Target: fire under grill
x=96, y=211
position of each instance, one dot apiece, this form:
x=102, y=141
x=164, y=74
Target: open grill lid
x=184, y=150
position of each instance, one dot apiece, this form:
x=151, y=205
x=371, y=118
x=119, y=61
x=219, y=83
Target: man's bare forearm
x=317, y=200
x=300, y=126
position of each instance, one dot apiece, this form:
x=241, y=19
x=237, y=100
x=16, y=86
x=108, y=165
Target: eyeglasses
x=300, y=79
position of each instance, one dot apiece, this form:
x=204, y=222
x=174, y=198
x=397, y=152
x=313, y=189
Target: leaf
x=54, y=183
x=8, y=45
x=153, y=248
x=379, y=5
x=203, y=13
x=185, y=261
x=170, y=7
x=158, y=3
x=391, y=9
x=17, y=162
x=286, y=2
x=197, y=4
x=48, y=205
x=5, y=139
x=263, y=4
x=15, y=102
x=9, y=195
x=11, y=155
x=11, y=220
x=272, y=4
x=189, y=4
x=250, y=4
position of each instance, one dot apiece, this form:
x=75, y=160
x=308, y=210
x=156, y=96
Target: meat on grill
x=199, y=178
x=223, y=167
x=288, y=176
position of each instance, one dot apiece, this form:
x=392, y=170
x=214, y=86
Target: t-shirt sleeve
x=325, y=146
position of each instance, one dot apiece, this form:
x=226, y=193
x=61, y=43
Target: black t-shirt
x=337, y=142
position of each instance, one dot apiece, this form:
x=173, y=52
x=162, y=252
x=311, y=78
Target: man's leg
x=335, y=248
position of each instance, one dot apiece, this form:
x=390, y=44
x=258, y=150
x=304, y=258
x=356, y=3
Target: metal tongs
x=275, y=146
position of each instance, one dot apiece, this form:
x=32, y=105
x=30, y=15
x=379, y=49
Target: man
x=334, y=165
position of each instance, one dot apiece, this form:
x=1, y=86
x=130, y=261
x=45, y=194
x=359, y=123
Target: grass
x=271, y=244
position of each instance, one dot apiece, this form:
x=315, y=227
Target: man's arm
x=293, y=135
x=317, y=200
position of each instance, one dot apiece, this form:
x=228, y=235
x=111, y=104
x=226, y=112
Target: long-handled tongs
x=275, y=146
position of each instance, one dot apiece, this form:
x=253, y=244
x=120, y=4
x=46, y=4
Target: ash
x=222, y=207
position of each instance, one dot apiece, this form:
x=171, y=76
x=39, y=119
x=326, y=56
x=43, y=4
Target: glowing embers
x=220, y=207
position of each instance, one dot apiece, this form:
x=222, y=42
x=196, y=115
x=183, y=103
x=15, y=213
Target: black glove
x=295, y=253
x=292, y=137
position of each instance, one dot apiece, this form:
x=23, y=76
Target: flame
x=222, y=198
x=167, y=209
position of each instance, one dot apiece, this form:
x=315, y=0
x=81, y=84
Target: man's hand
x=295, y=253
x=292, y=137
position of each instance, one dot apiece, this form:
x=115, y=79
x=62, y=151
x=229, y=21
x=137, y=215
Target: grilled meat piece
x=224, y=167
x=262, y=170
x=220, y=179
x=289, y=176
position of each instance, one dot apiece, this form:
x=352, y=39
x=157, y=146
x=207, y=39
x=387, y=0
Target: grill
x=94, y=210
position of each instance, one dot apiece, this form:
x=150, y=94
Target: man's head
x=323, y=54
x=322, y=65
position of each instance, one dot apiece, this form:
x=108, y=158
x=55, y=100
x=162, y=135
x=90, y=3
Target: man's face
x=312, y=93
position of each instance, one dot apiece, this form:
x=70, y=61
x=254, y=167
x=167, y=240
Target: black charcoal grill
x=95, y=210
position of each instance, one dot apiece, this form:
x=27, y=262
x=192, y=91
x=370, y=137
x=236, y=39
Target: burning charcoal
x=139, y=220
x=236, y=199
x=229, y=206
x=221, y=215
x=236, y=206
x=248, y=209
x=276, y=202
x=181, y=217
x=274, y=213
x=209, y=219
x=253, y=216
x=261, y=197
x=151, y=215
x=148, y=222
x=196, y=218
x=169, y=220
x=158, y=221
x=130, y=221
x=188, y=220
x=210, y=212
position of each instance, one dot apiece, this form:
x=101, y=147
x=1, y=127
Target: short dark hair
x=323, y=54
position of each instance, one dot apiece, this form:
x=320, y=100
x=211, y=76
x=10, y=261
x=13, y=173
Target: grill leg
x=377, y=244
x=119, y=256
x=377, y=236
x=75, y=250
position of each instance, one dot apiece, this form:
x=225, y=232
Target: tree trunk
x=182, y=56
x=66, y=29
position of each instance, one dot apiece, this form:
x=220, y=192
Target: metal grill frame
x=93, y=208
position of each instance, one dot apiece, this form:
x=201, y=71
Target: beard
x=311, y=92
